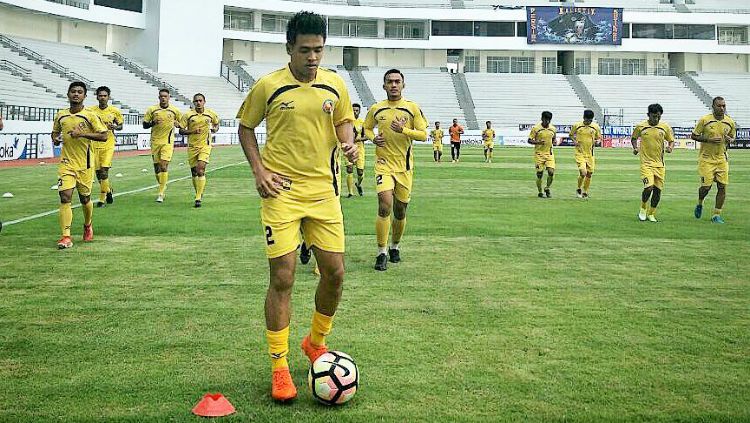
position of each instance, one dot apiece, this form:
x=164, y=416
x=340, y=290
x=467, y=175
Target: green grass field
x=505, y=307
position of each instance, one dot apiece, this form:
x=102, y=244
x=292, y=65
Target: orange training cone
x=213, y=405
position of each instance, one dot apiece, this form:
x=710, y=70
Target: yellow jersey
x=652, y=142
x=108, y=115
x=437, y=136
x=488, y=136
x=301, y=120
x=193, y=120
x=710, y=127
x=162, y=133
x=396, y=155
x=548, y=135
x=359, y=130
x=76, y=151
x=586, y=137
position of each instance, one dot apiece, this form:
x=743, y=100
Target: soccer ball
x=333, y=378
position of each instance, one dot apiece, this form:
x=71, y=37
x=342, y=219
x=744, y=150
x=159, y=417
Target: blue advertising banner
x=573, y=25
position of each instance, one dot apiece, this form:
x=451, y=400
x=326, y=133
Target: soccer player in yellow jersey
x=488, y=136
x=75, y=128
x=399, y=121
x=359, y=141
x=162, y=119
x=199, y=124
x=112, y=118
x=543, y=136
x=585, y=135
x=437, y=142
x=309, y=119
x=715, y=132
x=653, y=134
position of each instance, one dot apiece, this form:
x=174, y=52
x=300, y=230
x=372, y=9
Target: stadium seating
x=510, y=99
x=221, y=96
x=130, y=90
x=429, y=87
x=633, y=94
x=39, y=75
x=15, y=91
x=735, y=88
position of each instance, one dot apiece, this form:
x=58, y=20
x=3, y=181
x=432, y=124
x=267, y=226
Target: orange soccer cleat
x=88, y=233
x=64, y=242
x=311, y=351
x=282, y=385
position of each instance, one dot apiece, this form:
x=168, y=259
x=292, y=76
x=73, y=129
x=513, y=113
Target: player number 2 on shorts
x=269, y=234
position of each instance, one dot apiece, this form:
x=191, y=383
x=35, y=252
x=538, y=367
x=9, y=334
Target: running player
x=112, y=118
x=585, y=135
x=399, y=121
x=437, y=142
x=75, y=128
x=162, y=119
x=488, y=136
x=199, y=124
x=715, y=132
x=359, y=141
x=455, y=132
x=653, y=135
x=543, y=136
x=308, y=119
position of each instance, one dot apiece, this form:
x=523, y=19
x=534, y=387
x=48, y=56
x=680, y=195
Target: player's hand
x=268, y=183
x=75, y=132
x=350, y=151
x=57, y=140
x=397, y=125
x=198, y=131
x=379, y=140
x=157, y=121
x=111, y=126
x=717, y=140
x=669, y=149
x=635, y=151
x=176, y=124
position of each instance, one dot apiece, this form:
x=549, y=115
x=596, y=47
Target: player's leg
x=278, y=315
x=84, y=184
x=649, y=180
x=327, y=297
x=587, y=183
x=656, y=191
x=360, y=178
x=453, y=152
x=385, y=186
x=539, y=174
x=66, y=211
x=435, y=155
x=550, y=178
x=706, y=173
x=350, y=179
x=458, y=152
x=398, y=226
x=200, y=181
x=721, y=176
x=491, y=149
x=105, y=190
x=581, y=178
x=485, y=154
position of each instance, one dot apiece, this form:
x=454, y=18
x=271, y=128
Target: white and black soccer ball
x=333, y=378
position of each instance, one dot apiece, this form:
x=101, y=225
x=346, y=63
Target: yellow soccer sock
x=195, y=183
x=66, y=218
x=321, y=327
x=652, y=211
x=382, y=227
x=163, y=178
x=539, y=184
x=398, y=230
x=549, y=180
x=104, y=188
x=88, y=213
x=350, y=183
x=644, y=205
x=278, y=347
x=490, y=154
x=580, y=181
x=586, y=184
x=200, y=186
x=717, y=212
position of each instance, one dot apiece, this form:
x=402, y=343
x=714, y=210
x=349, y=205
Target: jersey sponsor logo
x=287, y=105
x=328, y=106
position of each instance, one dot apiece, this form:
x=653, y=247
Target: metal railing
x=34, y=113
x=153, y=79
x=14, y=68
x=233, y=78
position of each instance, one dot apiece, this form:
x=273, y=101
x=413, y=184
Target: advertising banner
x=573, y=25
x=14, y=146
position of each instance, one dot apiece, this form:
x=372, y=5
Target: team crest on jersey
x=328, y=106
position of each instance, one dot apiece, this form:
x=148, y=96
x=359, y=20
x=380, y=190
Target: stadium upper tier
x=510, y=99
x=652, y=5
x=735, y=88
x=632, y=95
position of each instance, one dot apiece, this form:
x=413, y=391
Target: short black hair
x=588, y=114
x=487, y=122
x=305, y=23
x=716, y=99
x=437, y=123
x=356, y=105
x=390, y=71
x=77, y=84
x=547, y=115
x=199, y=94
x=103, y=88
x=164, y=90
x=655, y=108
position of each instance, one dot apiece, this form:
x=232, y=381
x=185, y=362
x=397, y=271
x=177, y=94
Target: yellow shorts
x=162, y=152
x=543, y=161
x=713, y=171
x=81, y=180
x=585, y=163
x=322, y=224
x=489, y=145
x=400, y=183
x=361, y=158
x=196, y=154
x=437, y=147
x=103, y=157
x=653, y=176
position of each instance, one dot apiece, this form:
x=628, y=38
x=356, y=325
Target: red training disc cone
x=213, y=405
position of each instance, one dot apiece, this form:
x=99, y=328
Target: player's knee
x=550, y=172
x=333, y=276
x=360, y=172
x=84, y=198
x=589, y=174
x=65, y=198
x=539, y=175
x=349, y=169
x=282, y=280
x=194, y=171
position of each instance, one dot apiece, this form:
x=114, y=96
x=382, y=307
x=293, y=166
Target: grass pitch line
x=75, y=206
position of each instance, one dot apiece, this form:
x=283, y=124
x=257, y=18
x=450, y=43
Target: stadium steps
x=360, y=84
x=25, y=75
x=734, y=87
x=693, y=86
x=46, y=63
x=585, y=96
x=465, y=101
x=247, y=79
x=142, y=73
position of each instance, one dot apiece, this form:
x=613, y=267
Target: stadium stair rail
x=465, y=101
x=587, y=99
x=695, y=88
x=246, y=79
x=361, y=85
x=147, y=76
x=46, y=63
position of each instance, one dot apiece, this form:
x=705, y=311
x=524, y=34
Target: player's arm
x=369, y=127
x=116, y=124
x=598, y=139
x=345, y=134
x=419, y=133
x=533, y=137
x=183, y=128
x=148, y=119
x=698, y=134
x=572, y=135
x=634, y=139
x=266, y=182
x=56, y=131
x=670, y=140
x=99, y=131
